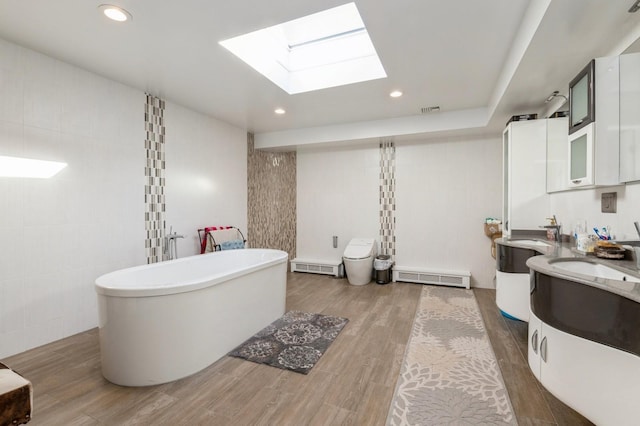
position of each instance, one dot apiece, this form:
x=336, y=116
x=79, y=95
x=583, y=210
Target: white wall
x=59, y=234
x=337, y=194
x=444, y=191
x=571, y=206
x=206, y=175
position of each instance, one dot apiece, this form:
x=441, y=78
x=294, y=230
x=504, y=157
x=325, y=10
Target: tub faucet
x=170, y=251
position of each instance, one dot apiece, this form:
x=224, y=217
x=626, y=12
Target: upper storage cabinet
x=582, y=98
x=630, y=117
x=594, y=127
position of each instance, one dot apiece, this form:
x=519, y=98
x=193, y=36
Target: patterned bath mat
x=449, y=375
x=294, y=342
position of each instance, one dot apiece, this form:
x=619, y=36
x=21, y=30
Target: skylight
x=326, y=49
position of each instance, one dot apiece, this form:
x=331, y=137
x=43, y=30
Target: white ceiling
x=480, y=61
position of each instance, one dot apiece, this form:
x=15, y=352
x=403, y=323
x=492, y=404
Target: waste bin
x=382, y=266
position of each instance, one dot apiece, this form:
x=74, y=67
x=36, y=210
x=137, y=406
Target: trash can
x=382, y=266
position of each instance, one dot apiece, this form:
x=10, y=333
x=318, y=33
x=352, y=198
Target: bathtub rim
x=110, y=290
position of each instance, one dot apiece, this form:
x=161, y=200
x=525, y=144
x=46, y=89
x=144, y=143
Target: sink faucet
x=637, y=228
x=555, y=227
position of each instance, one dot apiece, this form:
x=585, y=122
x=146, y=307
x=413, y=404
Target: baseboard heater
x=432, y=276
x=318, y=267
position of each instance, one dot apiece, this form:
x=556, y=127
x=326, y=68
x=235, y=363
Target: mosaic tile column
x=388, y=197
x=271, y=199
x=154, y=200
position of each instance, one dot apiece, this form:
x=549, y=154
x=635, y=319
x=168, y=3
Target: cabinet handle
x=577, y=181
x=543, y=349
x=534, y=342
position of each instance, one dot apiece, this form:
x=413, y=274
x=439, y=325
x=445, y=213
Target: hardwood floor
x=532, y=403
x=352, y=383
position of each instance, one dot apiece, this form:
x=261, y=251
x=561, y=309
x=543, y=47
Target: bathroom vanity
x=584, y=338
x=512, y=274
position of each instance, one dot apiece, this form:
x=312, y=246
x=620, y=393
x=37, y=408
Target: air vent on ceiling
x=426, y=110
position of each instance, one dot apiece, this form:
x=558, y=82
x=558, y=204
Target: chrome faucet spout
x=637, y=228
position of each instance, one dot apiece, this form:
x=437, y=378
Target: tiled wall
x=206, y=175
x=271, y=183
x=154, y=199
x=60, y=234
x=338, y=192
x=442, y=191
x=388, y=197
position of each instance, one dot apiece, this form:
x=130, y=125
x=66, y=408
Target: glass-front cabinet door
x=582, y=99
x=581, y=157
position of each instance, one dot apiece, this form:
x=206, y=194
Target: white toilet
x=358, y=260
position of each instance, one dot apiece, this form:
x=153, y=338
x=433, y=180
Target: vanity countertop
x=552, y=251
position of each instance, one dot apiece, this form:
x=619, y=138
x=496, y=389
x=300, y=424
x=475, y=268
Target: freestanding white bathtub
x=168, y=320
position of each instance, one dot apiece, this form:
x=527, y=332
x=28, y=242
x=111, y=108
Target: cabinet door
x=630, y=117
x=534, y=344
x=557, y=154
x=598, y=381
x=529, y=202
x=581, y=157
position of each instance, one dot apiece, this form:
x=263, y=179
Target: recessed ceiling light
x=115, y=13
x=395, y=94
x=279, y=111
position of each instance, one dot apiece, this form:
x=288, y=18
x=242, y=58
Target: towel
x=232, y=245
x=207, y=230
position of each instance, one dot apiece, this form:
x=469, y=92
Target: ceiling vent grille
x=426, y=110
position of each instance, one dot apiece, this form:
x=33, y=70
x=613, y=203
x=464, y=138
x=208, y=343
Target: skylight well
x=326, y=49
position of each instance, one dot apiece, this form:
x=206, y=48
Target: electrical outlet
x=609, y=201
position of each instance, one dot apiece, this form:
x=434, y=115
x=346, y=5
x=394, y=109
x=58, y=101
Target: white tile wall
x=206, y=175
x=337, y=194
x=571, y=206
x=59, y=234
x=444, y=191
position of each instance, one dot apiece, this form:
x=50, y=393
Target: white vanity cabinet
x=524, y=192
x=630, y=117
x=600, y=382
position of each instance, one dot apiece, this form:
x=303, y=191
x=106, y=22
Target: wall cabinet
x=557, y=155
x=524, y=190
x=630, y=117
x=593, y=149
x=600, y=382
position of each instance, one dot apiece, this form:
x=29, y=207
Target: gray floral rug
x=294, y=342
x=449, y=374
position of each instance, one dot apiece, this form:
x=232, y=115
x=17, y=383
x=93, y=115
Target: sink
x=531, y=243
x=585, y=267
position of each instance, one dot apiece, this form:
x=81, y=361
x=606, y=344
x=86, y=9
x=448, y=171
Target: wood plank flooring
x=352, y=383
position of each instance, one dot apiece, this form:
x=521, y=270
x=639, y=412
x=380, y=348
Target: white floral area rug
x=449, y=375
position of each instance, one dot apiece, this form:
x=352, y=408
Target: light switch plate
x=609, y=201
